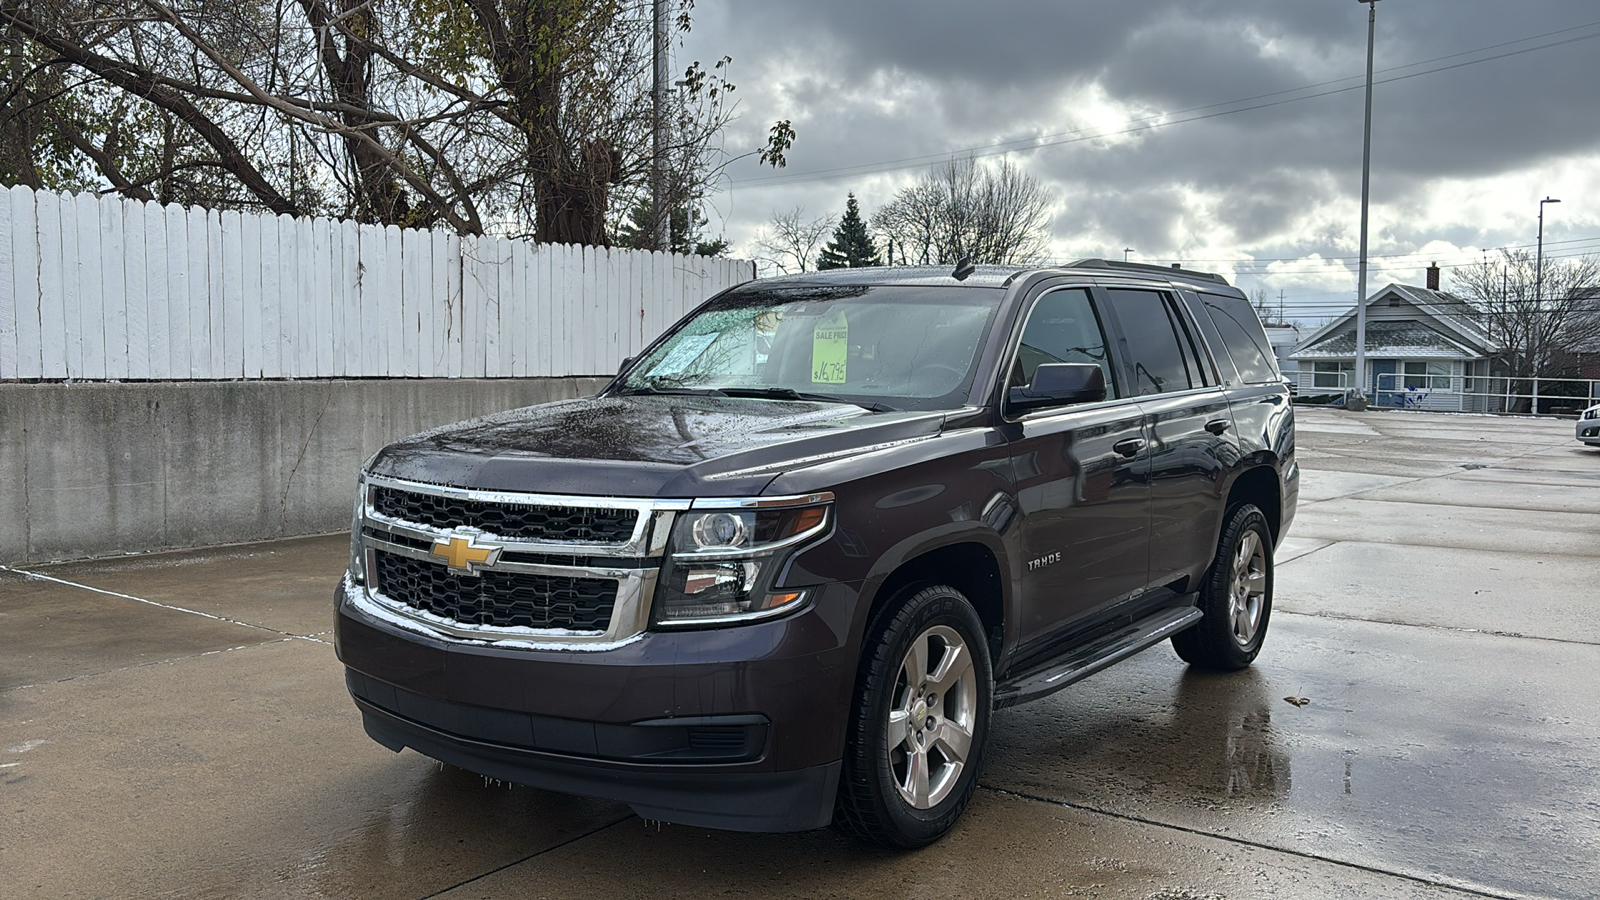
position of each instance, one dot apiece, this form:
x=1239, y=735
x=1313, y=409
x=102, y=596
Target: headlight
x=358, y=567
x=721, y=563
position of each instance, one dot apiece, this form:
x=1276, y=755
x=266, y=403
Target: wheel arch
x=971, y=560
x=1258, y=485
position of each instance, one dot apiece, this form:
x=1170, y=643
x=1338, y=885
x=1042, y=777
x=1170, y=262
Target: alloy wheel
x=1247, y=589
x=932, y=717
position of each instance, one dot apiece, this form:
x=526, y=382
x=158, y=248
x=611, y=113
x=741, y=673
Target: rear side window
x=1163, y=361
x=1243, y=336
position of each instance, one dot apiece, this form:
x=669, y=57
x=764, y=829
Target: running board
x=1092, y=657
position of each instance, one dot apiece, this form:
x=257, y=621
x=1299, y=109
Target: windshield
x=906, y=347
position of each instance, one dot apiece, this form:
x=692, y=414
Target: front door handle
x=1129, y=447
x=1217, y=426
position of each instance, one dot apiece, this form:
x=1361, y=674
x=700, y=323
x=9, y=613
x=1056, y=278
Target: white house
x=1425, y=349
x=1284, y=338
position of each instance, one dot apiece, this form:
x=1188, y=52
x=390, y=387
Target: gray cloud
x=867, y=83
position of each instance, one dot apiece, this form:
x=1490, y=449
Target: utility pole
x=659, y=215
x=1538, y=293
x=1366, y=183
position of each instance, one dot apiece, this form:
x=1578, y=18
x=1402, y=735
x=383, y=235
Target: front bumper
x=1589, y=431
x=738, y=728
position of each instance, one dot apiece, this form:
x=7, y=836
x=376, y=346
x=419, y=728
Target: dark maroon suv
x=779, y=571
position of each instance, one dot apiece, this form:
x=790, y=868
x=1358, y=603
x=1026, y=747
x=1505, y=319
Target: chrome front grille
x=558, y=569
x=497, y=599
x=522, y=522
x=529, y=570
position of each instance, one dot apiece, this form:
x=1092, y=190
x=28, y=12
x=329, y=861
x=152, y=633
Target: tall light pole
x=1366, y=183
x=1538, y=291
x=1125, y=252
x=660, y=215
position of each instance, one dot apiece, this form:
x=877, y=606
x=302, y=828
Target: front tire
x=918, y=724
x=1236, y=598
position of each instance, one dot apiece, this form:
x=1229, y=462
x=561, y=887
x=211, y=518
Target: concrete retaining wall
x=99, y=469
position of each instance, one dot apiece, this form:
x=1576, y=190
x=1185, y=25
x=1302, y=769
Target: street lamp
x=1125, y=252
x=1366, y=181
x=1538, y=291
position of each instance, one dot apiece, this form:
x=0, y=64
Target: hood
x=645, y=446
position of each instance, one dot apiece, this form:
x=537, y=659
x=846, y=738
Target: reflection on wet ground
x=457, y=816
x=1448, y=757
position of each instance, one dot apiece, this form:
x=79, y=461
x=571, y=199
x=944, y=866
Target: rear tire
x=1236, y=598
x=919, y=722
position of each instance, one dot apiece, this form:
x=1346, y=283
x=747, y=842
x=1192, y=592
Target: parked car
x=778, y=573
x=1589, y=426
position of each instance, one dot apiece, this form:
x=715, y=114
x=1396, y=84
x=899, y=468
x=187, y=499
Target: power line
x=1300, y=265
x=1418, y=255
x=1160, y=120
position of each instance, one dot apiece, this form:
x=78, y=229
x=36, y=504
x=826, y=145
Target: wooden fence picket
x=107, y=288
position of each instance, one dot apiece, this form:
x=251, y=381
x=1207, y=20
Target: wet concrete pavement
x=176, y=725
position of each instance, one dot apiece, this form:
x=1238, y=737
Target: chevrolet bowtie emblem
x=462, y=555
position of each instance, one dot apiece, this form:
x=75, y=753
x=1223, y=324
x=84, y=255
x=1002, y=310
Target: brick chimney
x=1433, y=277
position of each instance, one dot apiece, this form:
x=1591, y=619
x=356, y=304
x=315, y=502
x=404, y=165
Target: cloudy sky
x=1225, y=135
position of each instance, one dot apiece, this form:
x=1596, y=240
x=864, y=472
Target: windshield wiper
x=783, y=393
x=639, y=389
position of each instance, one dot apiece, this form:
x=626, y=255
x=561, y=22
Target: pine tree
x=852, y=247
x=682, y=232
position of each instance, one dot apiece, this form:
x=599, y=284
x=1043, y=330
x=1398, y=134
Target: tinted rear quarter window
x=1242, y=337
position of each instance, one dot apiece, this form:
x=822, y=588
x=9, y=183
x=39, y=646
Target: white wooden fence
x=102, y=288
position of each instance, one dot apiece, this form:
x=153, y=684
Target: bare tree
x=527, y=116
x=791, y=241
x=990, y=214
x=1258, y=299
x=1537, y=333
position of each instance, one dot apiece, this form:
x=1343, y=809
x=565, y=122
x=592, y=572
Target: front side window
x=1062, y=327
x=904, y=346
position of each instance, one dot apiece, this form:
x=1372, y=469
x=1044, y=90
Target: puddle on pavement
x=1415, y=755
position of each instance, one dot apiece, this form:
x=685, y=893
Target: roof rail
x=1174, y=271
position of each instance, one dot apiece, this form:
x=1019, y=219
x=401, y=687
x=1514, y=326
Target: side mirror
x=626, y=362
x=1058, y=384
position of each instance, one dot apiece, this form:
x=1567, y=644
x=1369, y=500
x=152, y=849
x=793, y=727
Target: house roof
x=1458, y=335
x=1448, y=308
x=1411, y=339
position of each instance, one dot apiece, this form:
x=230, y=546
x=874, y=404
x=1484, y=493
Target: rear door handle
x=1129, y=447
x=1217, y=426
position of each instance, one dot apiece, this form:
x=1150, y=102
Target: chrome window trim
x=1013, y=348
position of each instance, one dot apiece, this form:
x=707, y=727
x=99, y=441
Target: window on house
x=1427, y=376
x=1333, y=374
